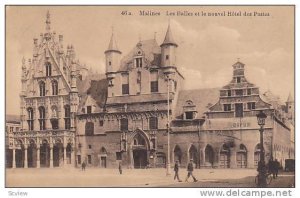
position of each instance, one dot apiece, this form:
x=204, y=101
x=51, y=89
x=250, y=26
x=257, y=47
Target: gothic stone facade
x=68, y=117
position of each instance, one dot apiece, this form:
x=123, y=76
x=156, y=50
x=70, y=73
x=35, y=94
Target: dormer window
x=189, y=110
x=189, y=115
x=139, y=62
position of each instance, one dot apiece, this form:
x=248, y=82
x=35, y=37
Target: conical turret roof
x=169, y=40
x=112, y=47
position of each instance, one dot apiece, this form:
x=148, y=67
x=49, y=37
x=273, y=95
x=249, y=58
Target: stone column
x=25, y=157
x=130, y=157
x=65, y=156
x=14, y=158
x=202, y=157
x=38, y=163
x=233, y=163
x=73, y=160
x=51, y=156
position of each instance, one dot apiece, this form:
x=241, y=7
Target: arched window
x=42, y=118
x=30, y=119
x=54, y=87
x=89, y=128
x=209, y=155
x=193, y=154
x=48, y=69
x=42, y=89
x=67, y=117
x=54, y=118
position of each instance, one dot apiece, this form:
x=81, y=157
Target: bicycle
x=269, y=178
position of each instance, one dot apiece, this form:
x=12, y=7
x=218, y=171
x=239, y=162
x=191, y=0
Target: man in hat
x=190, y=169
x=176, y=170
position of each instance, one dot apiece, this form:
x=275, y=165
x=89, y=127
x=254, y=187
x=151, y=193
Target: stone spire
x=169, y=40
x=48, y=22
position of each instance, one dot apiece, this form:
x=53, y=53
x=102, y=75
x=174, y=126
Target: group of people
x=190, y=169
x=273, y=167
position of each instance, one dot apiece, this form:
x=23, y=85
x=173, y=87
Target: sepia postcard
x=150, y=96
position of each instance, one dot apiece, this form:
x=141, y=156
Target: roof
x=139, y=98
x=150, y=50
x=272, y=99
x=112, y=45
x=201, y=98
x=169, y=38
x=84, y=85
x=12, y=118
x=97, y=89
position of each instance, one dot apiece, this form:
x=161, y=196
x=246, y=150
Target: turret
x=168, y=50
x=112, y=55
x=290, y=104
x=238, y=71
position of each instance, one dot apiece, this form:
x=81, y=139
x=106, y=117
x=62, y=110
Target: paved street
x=59, y=177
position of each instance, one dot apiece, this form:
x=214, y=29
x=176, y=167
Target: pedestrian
x=271, y=167
x=190, y=169
x=176, y=170
x=83, y=165
x=276, y=167
x=120, y=168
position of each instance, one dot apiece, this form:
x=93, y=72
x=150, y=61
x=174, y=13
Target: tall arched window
x=89, y=128
x=54, y=87
x=30, y=119
x=67, y=117
x=48, y=69
x=54, y=118
x=42, y=88
x=42, y=118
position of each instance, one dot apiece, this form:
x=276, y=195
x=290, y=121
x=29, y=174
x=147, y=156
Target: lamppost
x=262, y=170
x=168, y=128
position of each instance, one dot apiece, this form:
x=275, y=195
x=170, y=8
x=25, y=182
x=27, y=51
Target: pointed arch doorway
x=140, y=150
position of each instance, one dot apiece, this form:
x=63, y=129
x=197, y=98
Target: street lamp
x=261, y=117
x=168, y=128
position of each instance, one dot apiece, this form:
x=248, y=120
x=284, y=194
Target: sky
x=208, y=46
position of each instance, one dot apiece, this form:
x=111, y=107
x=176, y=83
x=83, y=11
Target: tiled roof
x=96, y=86
x=151, y=52
x=201, y=98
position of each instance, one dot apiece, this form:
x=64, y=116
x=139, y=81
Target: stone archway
x=241, y=156
x=32, y=154
x=224, y=161
x=20, y=154
x=45, y=154
x=58, y=153
x=177, y=154
x=193, y=154
x=209, y=156
x=140, y=148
